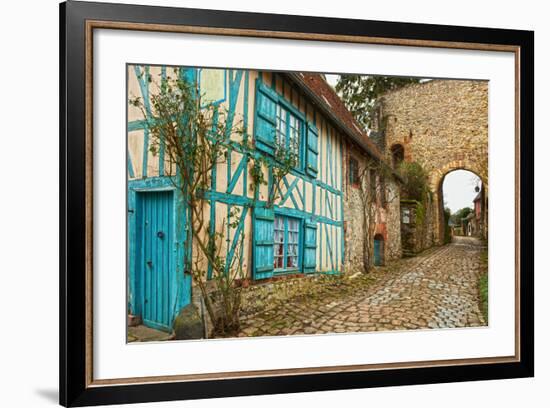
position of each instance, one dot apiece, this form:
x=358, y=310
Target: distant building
x=474, y=223
x=470, y=225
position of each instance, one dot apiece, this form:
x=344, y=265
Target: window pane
x=281, y=127
x=278, y=243
x=285, y=242
x=287, y=137
x=293, y=224
x=294, y=136
x=292, y=261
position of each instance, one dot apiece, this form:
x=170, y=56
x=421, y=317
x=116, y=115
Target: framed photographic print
x=255, y=203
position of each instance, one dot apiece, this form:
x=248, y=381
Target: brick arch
x=435, y=177
x=435, y=181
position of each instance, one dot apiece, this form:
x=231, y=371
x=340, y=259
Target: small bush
x=446, y=217
x=415, y=186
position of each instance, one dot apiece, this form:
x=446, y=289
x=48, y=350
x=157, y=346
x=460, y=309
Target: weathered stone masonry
x=388, y=224
x=442, y=125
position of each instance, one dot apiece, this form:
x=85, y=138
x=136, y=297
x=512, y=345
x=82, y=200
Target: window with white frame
x=286, y=239
x=288, y=134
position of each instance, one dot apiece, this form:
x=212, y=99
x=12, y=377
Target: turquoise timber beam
x=232, y=199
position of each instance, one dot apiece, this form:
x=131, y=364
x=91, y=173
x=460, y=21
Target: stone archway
x=435, y=180
x=443, y=126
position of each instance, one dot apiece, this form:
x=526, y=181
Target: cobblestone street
x=436, y=289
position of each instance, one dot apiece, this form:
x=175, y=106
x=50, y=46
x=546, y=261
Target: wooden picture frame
x=78, y=20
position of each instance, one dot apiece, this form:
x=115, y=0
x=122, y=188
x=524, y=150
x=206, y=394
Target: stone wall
x=409, y=234
x=443, y=125
x=353, y=226
x=429, y=228
x=387, y=218
x=416, y=226
x=393, y=222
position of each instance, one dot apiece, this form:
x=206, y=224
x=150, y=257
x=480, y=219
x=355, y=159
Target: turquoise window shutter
x=310, y=246
x=312, y=150
x=263, y=242
x=266, y=118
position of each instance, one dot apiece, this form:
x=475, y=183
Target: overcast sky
x=459, y=189
x=332, y=79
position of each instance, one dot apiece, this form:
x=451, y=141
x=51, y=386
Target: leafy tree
x=457, y=217
x=359, y=93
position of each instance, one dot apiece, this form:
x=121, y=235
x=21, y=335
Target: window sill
x=286, y=271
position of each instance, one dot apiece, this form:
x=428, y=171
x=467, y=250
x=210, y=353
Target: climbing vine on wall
x=373, y=193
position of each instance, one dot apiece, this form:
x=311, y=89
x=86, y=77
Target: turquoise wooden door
x=378, y=250
x=155, y=232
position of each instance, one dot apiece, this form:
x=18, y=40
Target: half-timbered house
x=302, y=233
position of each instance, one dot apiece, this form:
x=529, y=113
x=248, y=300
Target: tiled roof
x=327, y=97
